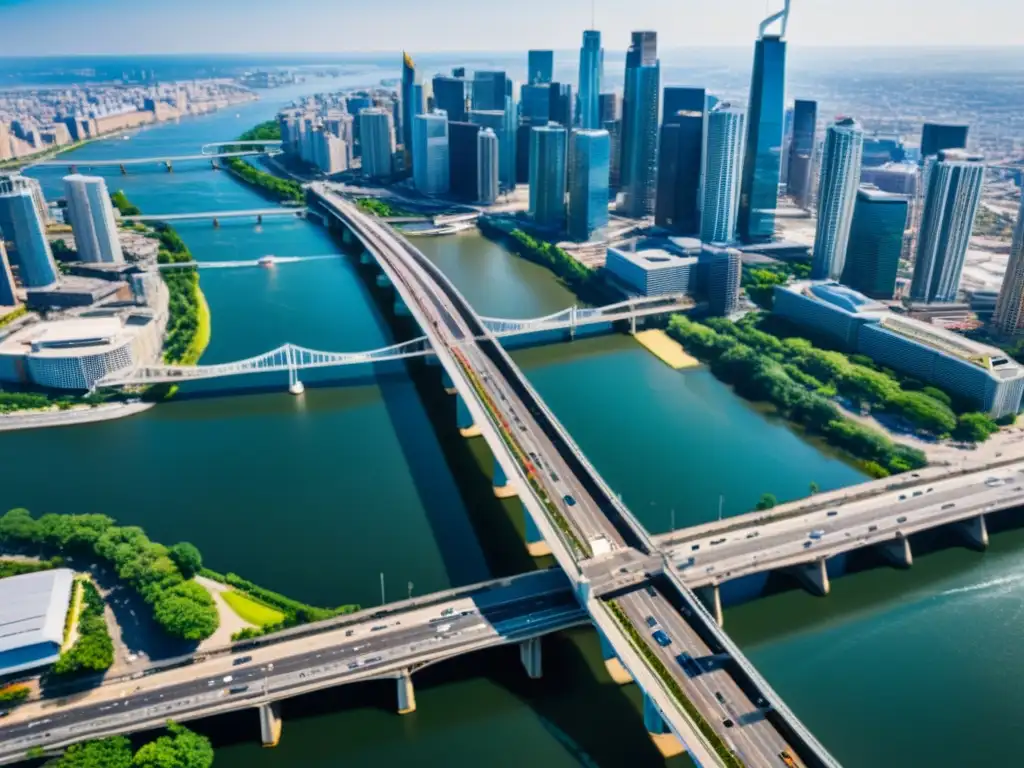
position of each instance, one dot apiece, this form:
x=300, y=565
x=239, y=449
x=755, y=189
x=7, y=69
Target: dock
x=666, y=349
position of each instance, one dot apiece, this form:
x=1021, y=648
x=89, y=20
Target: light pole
x=410, y=590
x=382, y=598
x=721, y=499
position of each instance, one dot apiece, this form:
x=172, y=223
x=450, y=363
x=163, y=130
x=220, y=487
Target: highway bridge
x=388, y=643
x=257, y=213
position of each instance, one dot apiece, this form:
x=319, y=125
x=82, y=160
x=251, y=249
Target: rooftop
x=984, y=356
x=33, y=607
x=87, y=335
x=839, y=296
x=655, y=258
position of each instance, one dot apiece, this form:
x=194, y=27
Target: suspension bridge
x=258, y=213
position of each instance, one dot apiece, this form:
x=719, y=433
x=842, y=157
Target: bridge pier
x=619, y=674
x=447, y=383
x=502, y=487
x=383, y=281
x=663, y=738
x=124, y=171
x=406, y=694
x=216, y=223
x=365, y=257
x=975, y=532
x=214, y=166
x=464, y=419
x=897, y=552
x=712, y=599
x=170, y=166
x=401, y=310
x=295, y=386
x=73, y=168
x=530, y=656
x=259, y=218
x=535, y=544
x=270, y=724
x=814, y=577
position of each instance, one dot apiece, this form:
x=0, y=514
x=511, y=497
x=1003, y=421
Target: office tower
x=523, y=153
x=547, y=175
x=489, y=89
x=880, y=149
x=540, y=66
x=680, y=155
x=679, y=103
x=499, y=122
x=588, y=190
x=898, y=178
x=787, y=143
x=7, y=295
x=801, y=151
x=507, y=158
x=536, y=103
x=722, y=270
x=876, y=242
x=487, y=166
x=614, y=128
x=91, y=216
x=608, y=107
x=334, y=155
x=377, y=133
x=462, y=159
x=20, y=224
x=759, y=189
x=1009, y=314
x=640, y=125
x=950, y=204
x=430, y=153
x=939, y=136
x=450, y=96
x=409, y=109
x=561, y=104
x=591, y=74
x=837, y=194
x=723, y=162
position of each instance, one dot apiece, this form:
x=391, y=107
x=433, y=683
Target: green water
x=318, y=495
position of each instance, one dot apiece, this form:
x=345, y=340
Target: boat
x=265, y=261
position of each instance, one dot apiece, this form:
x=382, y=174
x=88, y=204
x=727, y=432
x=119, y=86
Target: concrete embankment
x=78, y=415
x=666, y=349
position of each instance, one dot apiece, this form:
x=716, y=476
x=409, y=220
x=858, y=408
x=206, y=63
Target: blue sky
x=43, y=27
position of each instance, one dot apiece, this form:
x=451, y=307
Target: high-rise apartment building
x=487, y=166
x=498, y=121
x=591, y=75
x=430, y=153
x=837, y=194
x=377, y=136
x=680, y=159
x=801, y=151
x=548, y=175
x=640, y=125
x=722, y=272
x=20, y=224
x=876, y=242
x=540, y=66
x=450, y=96
x=723, y=164
x=462, y=159
x=939, y=136
x=91, y=216
x=1009, y=315
x=951, y=202
x=588, y=191
x=759, y=189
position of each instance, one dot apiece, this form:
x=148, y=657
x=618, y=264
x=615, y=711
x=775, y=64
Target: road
x=847, y=526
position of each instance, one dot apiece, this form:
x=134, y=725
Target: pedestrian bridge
x=258, y=213
x=74, y=164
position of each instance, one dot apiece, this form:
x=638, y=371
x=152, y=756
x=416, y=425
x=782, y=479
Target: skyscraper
x=759, y=190
x=876, y=242
x=950, y=204
x=801, y=151
x=409, y=106
x=640, y=125
x=7, y=296
x=377, y=135
x=614, y=128
x=489, y=89
x=536, y=101
x=92, y=219
x=608, y=106
x=679, y=102
x=680, y=160
x=20, y=224
x=462, y=159
x=588, y=191
x=938, y=136
x=430, y=153
x=548, y=175
x=723, y=270
x=837, y=194
x=487, y=168
x=591, y=74
x=498, y=121
x=1009, y=315
x=540, y=66
x=450, y=96
x=723, y=161
x=560, y=110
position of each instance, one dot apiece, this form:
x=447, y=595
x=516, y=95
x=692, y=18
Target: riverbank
x=267, y=184
x=80, y=414
x=666, y=349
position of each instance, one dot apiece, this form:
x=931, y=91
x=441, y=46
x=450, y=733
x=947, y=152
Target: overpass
x=388, y=644
x=810, y=541
x=258, y=213
x=572, y=514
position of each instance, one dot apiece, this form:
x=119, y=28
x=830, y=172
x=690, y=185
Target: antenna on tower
x=592, y=14
x=782, y=15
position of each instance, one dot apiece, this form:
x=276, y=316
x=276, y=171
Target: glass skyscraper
x=588, y=192
x=837, y=194
x=502, y=122
x=377, y=135
x=489, y=89
x=560, y=109
x=409, y=109
x=462, y=159
x=876, y=242
x=91, y=216
x=487, y=154
x=548, y=175
x=536, y=103
x=430, y=153
x=450, y=96
x=1009, y=315
x=7, y=295
x=540, y=66
x=801, y=151
x=21, y=224
x=759, y=190
x=680, y=158
x=591, y=74
x=640, y=125
x=723, y=162
x=950, y=205
x=938, y=136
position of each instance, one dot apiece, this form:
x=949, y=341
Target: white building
x=430, y=152
x=377, y=136
x=488, y=170
x=33, y=611
x=652, y=272
x=837, y=194
x=91, y=215
x=723, y=164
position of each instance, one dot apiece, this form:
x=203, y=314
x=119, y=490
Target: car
x=929, y=490
x=354, y=665
x=444, y=628
x=950, y=505
x=227, y=679
x=662, y=639
x=918, y=493
x=239, y=689
x=374, y=659
x=872, y=528
x=720, y=697
x=378, y=628
x=349, y=632
x=695, y=547
x=569, y=500
x=447, y=611
x=833, y=512
x=652, y=622
x=718, y=541
x=553, y=476
x=807, y=544
x=727, y=722
x=901, y=519
x=903, y=497
x=753, y=534
x=241, y=660
x=649, y=589
x=787, y=759
x=992, y=482
x=817, y=533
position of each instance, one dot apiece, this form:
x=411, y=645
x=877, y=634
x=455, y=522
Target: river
x=364, y=475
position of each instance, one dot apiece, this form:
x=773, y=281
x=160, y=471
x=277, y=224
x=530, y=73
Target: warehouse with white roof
x=33, y=611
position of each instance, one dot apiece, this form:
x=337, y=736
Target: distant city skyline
x=118, y=27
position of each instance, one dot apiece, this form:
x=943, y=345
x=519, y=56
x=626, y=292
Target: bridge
x=264, y=261
x=74, y=164
x=810, y=540
x=258, y=213
x=390, y=643
x=217, y=147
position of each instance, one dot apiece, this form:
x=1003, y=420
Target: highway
x=847, y=526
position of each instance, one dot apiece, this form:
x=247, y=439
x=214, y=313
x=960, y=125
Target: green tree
x=974, y=428
x=112, y=752
x=181, y=749
x=187, y=557
x=18, y=526
x=813, y=487
x=187, y=611
x=767, y=501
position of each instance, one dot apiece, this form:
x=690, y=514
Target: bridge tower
x=270, y=724
x=572, y=322
x=124, y=171
x=295, y=386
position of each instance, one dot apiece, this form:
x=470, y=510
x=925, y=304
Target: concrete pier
x=464, y=419
x=535, y=544
x=406, y=694
x=814, y=577
x=530, y=656
x=619, y=674
x=975, y=532
x=270, y=724
x=502, y=487
x=663, y=738
x=897, y=552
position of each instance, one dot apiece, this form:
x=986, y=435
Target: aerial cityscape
x=650, y=401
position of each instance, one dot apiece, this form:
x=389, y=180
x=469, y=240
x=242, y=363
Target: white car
x=443, y=628
x=992, y=482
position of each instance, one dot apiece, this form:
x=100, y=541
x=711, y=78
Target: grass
x=77, y=595
x=251, y=610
